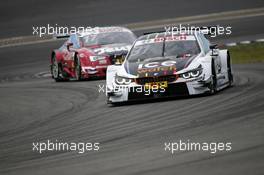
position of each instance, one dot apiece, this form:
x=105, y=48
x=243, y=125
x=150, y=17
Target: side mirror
x=213, y=47
x=69, y=45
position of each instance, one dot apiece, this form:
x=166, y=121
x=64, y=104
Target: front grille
x=173, y=90
x=144, y=80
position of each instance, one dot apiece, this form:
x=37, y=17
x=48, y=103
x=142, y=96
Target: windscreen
x=108, y=38
x=163, y=46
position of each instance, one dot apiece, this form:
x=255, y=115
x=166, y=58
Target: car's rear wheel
x=78, y=68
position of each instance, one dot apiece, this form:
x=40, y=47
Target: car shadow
x=166, y=99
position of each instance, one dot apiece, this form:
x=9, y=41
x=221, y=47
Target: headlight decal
x=122, y=80
x=193, y=73
x=186, y=75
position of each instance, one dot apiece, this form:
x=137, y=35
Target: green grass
x=247, y=53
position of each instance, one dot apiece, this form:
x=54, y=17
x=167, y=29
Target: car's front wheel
x=55, y=70
x=78, y=68
x=213, y=84
x=229, y=71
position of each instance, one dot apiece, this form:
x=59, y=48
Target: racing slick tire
x=56, y=70
x=213, y=84
x=78, y=68
x=229, y=71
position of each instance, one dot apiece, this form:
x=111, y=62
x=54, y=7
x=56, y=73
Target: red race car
x=87, y=54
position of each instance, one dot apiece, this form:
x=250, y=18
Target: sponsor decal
x=156, y=68
x=111, y=49
x=156, y=85
x=167, y=39
x=156, y=64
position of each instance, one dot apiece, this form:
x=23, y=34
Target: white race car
x=166, y=65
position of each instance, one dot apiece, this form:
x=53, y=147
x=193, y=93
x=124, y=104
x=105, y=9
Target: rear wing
x=206, y=30
x=60, y=36
x=160, y=31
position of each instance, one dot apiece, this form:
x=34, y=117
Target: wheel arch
x=57, y=55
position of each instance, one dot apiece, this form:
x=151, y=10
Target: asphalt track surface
x=132, y=136
x=17, y=17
